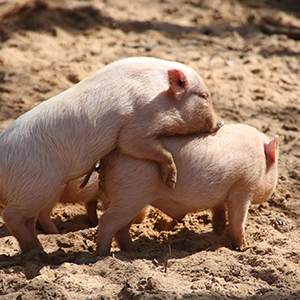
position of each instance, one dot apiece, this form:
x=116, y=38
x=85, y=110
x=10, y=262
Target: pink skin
x=90, y=194
x=226, y=171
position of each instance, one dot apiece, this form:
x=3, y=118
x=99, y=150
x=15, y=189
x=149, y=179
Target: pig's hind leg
x=123, y=238
x=219, y=218
x=116, y=222
x=91, y=210
x=20, y=217
x=22, y=228
x=237, y=214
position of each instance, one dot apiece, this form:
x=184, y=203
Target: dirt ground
x=248, y=53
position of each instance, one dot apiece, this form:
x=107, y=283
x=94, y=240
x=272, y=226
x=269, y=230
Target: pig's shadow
x=32, y=263
x=72, y=224
x=4, y=231
x=184, y=243
x=79, y=222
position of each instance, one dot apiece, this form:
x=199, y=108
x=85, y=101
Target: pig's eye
x=204, y=96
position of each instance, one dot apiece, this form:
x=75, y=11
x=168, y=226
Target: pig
x=228, y=170
x=90, y=194
x=127, y=104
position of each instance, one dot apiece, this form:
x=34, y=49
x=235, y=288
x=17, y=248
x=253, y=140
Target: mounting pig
x=127, y=104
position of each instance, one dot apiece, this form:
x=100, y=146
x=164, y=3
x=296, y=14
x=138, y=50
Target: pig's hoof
x=171, y=180
x=101, y=252
x=239, y=245
x=219, y=228
x=169, y=172
x=171, y=184
x=243, y=249
x=32, y=249
x=33, y=254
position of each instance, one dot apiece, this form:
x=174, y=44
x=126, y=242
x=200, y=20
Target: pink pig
x=127, y=104
x=228, y=170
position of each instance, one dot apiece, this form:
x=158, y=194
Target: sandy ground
x=248, y=52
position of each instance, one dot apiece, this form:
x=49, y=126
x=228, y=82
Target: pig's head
x=193, y=102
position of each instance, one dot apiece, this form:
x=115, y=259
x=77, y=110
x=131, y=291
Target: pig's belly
x=177, y=209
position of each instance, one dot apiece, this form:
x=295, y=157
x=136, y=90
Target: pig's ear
x=178, y=81
x=271, y=149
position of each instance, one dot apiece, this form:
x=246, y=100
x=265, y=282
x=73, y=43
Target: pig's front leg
x=151, y=148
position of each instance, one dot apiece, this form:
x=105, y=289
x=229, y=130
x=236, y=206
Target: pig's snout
x=220, y=123
x=215, y=126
